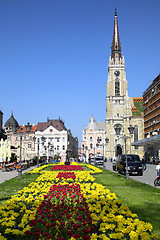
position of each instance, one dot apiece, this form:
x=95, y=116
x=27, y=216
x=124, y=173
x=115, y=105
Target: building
x=151, y=102
x=53, y=138
x=2, y=135
x=93, y=142
x=14, y=132
x=122, y=112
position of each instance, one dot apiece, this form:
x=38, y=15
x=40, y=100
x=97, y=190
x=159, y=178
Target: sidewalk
x=4, y=176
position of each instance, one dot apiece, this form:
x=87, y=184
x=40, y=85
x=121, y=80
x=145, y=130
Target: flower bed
x=67, y=168
x=68, y=218
x=49, y=196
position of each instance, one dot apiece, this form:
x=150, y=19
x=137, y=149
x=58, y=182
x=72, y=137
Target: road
x=148, y=177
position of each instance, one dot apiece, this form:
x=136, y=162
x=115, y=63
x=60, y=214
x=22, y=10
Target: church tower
x=118, y=106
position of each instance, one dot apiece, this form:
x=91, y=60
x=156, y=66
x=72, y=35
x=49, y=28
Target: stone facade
x=120, y=109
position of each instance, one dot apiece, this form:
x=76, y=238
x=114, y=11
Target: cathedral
x=122, y=112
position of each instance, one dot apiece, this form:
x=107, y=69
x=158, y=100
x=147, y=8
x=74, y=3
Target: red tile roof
x=23, y=128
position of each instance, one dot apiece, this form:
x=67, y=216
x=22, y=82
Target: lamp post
x=20, y=166
x=28, y=128
x=38, y=142
x=131, y=130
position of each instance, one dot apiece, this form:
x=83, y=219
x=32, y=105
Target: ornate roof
x=11, y=122
x=137, y=108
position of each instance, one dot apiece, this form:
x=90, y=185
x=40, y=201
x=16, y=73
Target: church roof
x=137, y=109
x=11, y=122
x=116, y=46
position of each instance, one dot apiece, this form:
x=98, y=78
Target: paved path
x=148, y=176
x=6, y=175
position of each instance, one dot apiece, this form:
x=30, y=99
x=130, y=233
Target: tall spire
x=116, y=46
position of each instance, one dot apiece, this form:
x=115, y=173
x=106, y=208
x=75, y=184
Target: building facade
x=46, y=139
x=14, y=132
x=121, y=110
x=52, y=138
x=151, y=141
x=2, y=135
x=93, y=142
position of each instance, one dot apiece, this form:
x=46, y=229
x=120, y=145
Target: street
x=148, y=177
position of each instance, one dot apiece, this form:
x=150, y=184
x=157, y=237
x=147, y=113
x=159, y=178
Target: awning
x=155, y=140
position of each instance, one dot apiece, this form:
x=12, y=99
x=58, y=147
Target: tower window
x=117, y=87
x=136, y=136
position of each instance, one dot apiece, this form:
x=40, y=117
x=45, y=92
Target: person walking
x=158, y=168
x=144, y=163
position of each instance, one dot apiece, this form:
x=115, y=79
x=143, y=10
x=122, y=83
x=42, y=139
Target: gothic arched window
x=117, y=87
x=135, y=135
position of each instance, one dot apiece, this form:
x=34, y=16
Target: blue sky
x=54, y=56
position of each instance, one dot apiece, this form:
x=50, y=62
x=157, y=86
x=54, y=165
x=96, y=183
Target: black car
x=134, y=164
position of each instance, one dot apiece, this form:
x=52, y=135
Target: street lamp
x=38, y=142
x=131, y=130
x=28, y=128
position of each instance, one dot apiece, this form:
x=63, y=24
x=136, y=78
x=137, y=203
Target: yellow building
x=122, y=112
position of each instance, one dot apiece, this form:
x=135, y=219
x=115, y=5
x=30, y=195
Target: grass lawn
x=10, y=187
x=139, y=197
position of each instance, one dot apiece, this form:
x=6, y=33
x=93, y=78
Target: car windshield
x=131, y=158
x=99, y=158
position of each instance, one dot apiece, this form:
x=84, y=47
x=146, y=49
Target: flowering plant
x=67, y=168
x=38, y=211
x=62, y=215
x=66, y=175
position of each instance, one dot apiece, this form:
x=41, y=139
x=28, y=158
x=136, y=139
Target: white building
x=52, y=138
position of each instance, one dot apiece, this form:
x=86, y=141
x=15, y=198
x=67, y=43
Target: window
x=63, y=148
x=57, y=147
x=147, y=109
x=30, y=138
x=90, y=139
x=91, y=146
x=29, y=145
x=117, y=87
x=57, y=139
x=63, y=139
x=135, y=136
x=117, y=114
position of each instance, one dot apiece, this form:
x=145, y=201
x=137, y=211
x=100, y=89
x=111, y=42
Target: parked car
x=134, y=164
x=92, y=160
x=99, y=160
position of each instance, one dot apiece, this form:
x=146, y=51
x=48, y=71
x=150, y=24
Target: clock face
x=117, y=73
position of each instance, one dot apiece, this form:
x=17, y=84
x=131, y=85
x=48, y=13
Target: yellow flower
x=133, y=235
x=94, y=236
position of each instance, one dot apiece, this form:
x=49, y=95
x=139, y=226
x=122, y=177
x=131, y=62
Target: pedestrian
x=158, y=168
x=144, y=163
